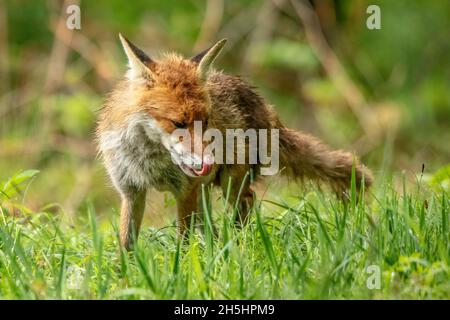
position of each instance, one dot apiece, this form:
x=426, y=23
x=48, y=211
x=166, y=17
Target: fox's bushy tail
x=305, y=156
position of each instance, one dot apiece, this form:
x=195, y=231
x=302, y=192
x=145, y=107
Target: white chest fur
x=135, y=156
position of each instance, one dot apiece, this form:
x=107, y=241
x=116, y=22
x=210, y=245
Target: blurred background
x=383, y=93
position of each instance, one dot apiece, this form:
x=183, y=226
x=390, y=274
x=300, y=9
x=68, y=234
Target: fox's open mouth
x=206, y=167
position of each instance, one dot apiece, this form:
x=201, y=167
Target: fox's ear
x=140, y=64
x=205, y=58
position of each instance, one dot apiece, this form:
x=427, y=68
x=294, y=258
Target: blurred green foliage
x=48, y=106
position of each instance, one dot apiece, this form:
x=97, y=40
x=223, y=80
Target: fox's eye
x=180, y=125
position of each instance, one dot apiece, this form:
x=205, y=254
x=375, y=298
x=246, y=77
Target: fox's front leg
x=240, y=194
x=131, y=213
x=204, y=193
x=187, y=205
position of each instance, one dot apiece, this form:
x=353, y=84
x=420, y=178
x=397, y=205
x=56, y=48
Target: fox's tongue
x=207, y=165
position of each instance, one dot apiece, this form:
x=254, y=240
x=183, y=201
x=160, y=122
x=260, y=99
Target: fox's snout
x=194, y=165
x=188, y=151
x=193, y=161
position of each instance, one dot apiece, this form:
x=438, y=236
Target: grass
x=310, y=247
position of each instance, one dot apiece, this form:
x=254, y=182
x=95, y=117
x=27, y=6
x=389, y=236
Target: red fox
x=135, y=138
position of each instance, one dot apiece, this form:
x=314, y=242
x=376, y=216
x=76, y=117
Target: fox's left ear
x=140, y=64
x=206, y=58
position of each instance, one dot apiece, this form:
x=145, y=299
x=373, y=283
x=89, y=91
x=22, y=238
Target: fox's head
x=173, y=94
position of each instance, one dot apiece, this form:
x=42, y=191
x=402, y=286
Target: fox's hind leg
x=131, y=213
x=238, y=190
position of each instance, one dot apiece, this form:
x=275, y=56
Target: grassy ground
x=309, y=247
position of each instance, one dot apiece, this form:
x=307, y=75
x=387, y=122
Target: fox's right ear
x=141, y=66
